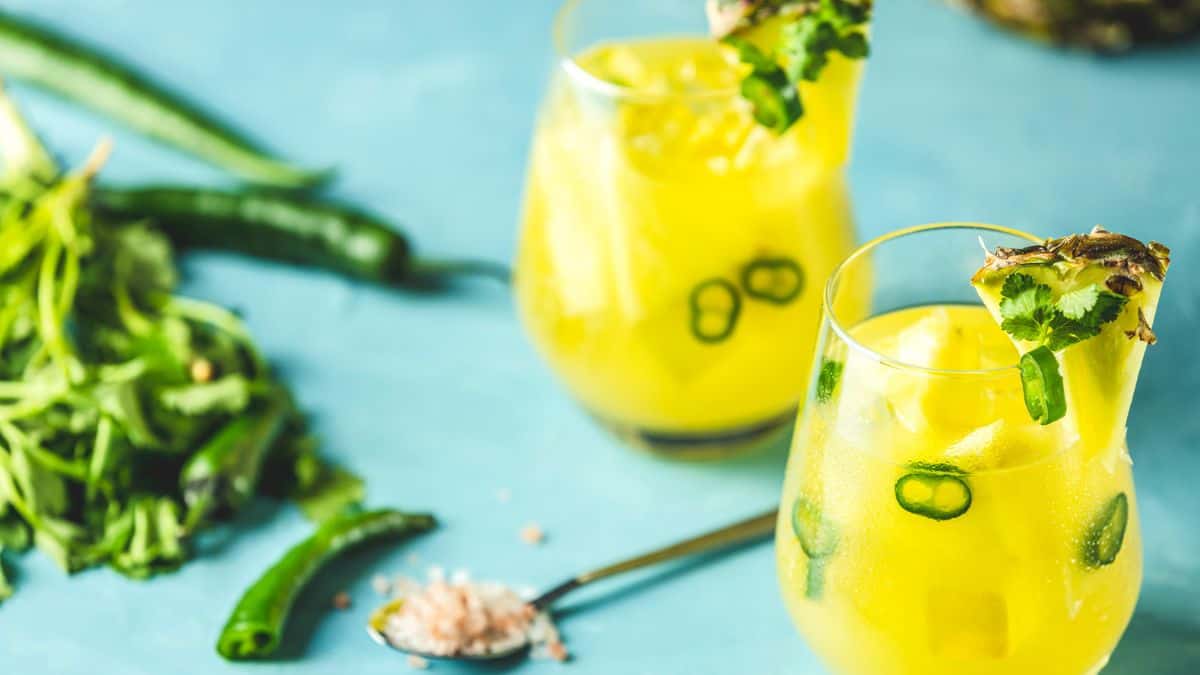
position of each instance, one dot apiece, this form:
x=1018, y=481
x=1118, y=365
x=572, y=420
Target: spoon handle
x=758, y=527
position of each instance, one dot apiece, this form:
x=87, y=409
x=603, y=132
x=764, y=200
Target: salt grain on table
x=532, y=534
x=381, y=584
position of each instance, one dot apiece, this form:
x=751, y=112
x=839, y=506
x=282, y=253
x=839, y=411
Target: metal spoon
x=745, y=531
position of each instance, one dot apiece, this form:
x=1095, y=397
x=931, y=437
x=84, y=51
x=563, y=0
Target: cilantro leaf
x=1063, y=332
x=1016, y=284
x=1081, y=314
x=1077, y=303
x=1024, y=307
x=1030, y=312
x=1092, y=305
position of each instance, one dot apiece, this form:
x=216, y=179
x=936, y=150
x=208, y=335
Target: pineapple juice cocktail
x=929, y=523
x=673, y=249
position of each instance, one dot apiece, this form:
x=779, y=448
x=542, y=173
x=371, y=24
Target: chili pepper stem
x=434, y=271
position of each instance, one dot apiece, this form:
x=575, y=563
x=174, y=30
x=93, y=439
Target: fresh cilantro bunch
x=1031, y=313
x=116, y=394
x=804, y=48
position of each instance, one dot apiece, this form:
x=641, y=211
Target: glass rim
x=843, y=331
x=574, y=70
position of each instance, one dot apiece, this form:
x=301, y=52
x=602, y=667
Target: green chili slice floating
x=715, y=306
x=818, y=538
x=1106, y=534
x=1045, y=398
x=935, y=491
x=828, y=379
x=775, y=280
x=56, y=63
x=256, y=625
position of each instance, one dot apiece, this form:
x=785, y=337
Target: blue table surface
x=426, y=108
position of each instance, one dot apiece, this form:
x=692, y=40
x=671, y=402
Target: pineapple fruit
x=1098, y=371
x=1100, y=25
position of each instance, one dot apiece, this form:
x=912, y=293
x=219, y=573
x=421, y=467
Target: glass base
x=703, y=445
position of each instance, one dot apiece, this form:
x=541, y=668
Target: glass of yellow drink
x=928, y=524
x=672, y=250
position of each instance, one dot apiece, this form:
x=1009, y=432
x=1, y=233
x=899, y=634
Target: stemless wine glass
x=927, y=524
x=673, y=250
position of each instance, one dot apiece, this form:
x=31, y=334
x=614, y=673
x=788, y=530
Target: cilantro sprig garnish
x=805, y=45
x=1031, y=313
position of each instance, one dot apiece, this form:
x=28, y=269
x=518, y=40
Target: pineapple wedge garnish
x=786, y=43
x=1080, y=309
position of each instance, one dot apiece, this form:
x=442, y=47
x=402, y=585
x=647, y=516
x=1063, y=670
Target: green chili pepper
x=819, y=539
x=817, y=536
x=46, y=59
x=773, y=98
x=1042, y=384
x=774, y=280
x=828, y=379
x=288, y=228
x=256, y=625
x=1106, y=534
x=715, y=306
x=223, y=474
x=935, y=491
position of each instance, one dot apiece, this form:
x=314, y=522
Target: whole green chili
x=715, y=305
x=223, y=474
x=776, y=280
x=54, y=62
x=256, y=625
x=285, y=227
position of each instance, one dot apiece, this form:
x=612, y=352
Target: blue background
x=426, y=108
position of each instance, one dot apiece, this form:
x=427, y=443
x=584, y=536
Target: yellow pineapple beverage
x=929, y=525
x=673, y=250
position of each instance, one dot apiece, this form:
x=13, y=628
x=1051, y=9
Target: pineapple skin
x=1107, y=26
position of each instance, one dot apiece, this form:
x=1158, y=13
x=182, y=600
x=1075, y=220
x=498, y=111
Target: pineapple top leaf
x=1031, y=313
